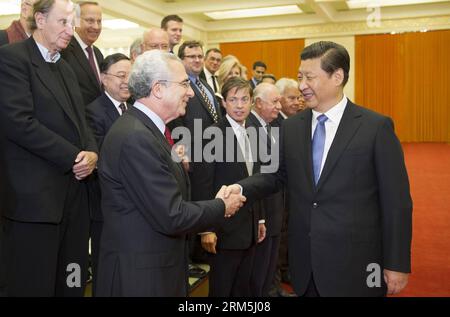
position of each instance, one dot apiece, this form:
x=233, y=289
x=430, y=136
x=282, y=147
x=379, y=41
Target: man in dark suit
x=266, y=107
x=81, y=54
x=143, y=250
x=47, y=151
x=101, y=114
x=232, y=244
x=19, y=29
x=350, y=209
x=258, y=70
x=213, y=59
x=202, y=110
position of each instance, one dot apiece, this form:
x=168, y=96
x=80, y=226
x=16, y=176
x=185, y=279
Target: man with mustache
x=47, y=151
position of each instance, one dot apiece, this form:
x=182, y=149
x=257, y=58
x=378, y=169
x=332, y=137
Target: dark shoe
x=195, y=271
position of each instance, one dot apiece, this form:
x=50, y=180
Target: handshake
x=232, y=197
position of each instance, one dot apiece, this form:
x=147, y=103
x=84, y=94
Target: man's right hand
x=209, y=241
x=233, y=201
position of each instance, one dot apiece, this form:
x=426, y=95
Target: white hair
x=149, y=67
x=285, y=83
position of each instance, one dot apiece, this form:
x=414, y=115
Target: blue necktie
x=318, y=143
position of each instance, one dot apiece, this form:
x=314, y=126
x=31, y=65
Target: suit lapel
x=159, y=136
x=47, y=78
x=304, y=133
x=348, y=127
x=83, y=61
x=110, y=108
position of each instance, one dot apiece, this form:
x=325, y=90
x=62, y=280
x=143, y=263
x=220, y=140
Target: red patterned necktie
x=168, y=136
x=92, y=62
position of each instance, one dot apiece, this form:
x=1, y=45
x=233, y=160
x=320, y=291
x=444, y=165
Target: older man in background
x=19, y=29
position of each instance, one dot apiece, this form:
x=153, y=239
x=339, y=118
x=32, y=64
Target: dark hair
x=236, y=82
x=169, y=18
x=42, y=6
x=268, y=76
x=259, y=64
x=216, y=50
x=188, y=44
x=111, y=60
x=333, y=57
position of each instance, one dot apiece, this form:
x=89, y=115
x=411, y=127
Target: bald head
x=155, y=39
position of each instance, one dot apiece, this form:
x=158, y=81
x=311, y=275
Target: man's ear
x=40, y=19
x=338, y=76
x=157, y=90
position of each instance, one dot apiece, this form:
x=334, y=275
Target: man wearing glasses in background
x=81, y=54
x=101, y=114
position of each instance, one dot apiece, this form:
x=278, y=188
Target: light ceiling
x=199, y=19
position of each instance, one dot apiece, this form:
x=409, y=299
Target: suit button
x=315, y=205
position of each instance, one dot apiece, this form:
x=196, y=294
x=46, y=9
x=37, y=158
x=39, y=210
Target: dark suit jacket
x=74, y=55
x=197, y=109
x=273, y=205
x=360, y=211
x=3, y=37
x=240, y=231
x=252, y=84
x=42, y=132
x=100, y=115
x=146, y=213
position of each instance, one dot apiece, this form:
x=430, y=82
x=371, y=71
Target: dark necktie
x=168, y=136
x=92, y=62
x=318, y=144
x=211, y=109
x=214, y=83
x=123, y=107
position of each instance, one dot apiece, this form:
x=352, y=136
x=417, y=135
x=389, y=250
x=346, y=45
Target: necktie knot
x=322, y=118
x=168, y=136
x=123, y=107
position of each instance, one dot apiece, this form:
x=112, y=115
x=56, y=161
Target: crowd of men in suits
x=87, y=153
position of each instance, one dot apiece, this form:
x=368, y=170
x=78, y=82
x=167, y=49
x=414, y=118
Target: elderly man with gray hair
x=145, y=192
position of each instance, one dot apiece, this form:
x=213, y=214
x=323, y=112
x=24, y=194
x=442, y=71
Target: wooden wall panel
x=281, y=56
x=407, y=77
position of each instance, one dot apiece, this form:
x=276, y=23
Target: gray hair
x=286, y=83
x=136, y=47
x=149, y=67
x=261, y=90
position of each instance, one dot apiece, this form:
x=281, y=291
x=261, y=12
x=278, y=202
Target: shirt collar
x=283, y=115
x=208, y=74
x=114, y=101
x=261, y=120
x=335, y=113
x=46, y=54
x=80, y=41
x=152, y=116
x=234, y=124
x=193, y=78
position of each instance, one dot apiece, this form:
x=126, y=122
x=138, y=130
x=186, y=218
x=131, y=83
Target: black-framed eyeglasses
x=122, y=77
x=185, y=83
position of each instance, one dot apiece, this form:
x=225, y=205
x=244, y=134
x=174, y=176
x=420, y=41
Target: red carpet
x=429, y=174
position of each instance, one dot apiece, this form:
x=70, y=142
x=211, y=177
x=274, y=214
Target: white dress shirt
x=46, y=54
x=244, y=143
x=153, y=116
x=209, y=80
x=83, y=48
x=116, y=103
x=334, y=116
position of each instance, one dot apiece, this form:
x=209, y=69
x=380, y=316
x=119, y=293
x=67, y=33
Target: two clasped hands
x=232, y=197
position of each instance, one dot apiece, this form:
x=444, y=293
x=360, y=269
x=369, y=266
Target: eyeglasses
x=122, y=77
x=194, y=56
x=234, y=101
x=91, y=21
x=185, y=83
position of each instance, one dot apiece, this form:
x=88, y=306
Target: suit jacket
x=74, y=55
x=143, y=249
x=100, y=115
x=252, y=84
x=240, y=231
x=42, y=132
x=360, y=211
x=197, y=110
x=273, y=205
x=3, y=37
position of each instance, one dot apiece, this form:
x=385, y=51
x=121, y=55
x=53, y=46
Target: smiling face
x=90, y=23
x=115, y=80
x=212, y=61
x=291, y=101
x=268, y=105
x=320, y=90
